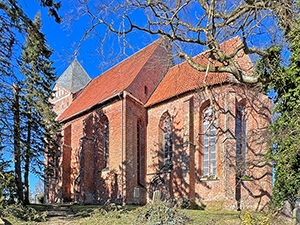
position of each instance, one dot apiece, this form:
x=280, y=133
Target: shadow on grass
x=38, y=207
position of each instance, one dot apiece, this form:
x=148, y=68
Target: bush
x=24, y=213
x=160, y=213
x=183, y=203
x=41, y=198
x=186, y=203
x=248, y=218
x=110, y=210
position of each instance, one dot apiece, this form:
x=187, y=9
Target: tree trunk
x=17, y=146
x=27, y=160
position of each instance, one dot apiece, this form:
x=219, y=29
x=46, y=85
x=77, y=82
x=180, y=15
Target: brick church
x=147, y=124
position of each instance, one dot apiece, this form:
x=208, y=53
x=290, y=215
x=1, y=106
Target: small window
x=146, y=90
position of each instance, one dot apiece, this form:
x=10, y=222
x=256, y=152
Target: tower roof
x=74, y=78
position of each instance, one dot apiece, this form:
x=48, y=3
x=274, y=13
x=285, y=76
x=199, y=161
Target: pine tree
x=13, y=21
x=40, y=128
x=7, y=181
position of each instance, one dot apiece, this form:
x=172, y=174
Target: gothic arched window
x=141, y=153
x=101, y=141
x=241, y=138
x=209, y=142
x=166, y=145
x=105, y=129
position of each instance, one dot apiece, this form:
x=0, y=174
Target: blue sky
x=64, y=41
x=58, y=37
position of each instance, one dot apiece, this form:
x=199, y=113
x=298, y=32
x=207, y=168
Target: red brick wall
x=255, y=193
x=66, y=166
x=134, y=111
x=95, y=185
x=80, y=174
x=178, y=180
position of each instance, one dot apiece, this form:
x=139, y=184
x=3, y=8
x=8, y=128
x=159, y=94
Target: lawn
x=134, y=215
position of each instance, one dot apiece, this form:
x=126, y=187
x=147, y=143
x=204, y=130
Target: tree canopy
x=204, y=23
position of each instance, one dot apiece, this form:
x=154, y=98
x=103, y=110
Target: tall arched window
x=105, y=129
x=209, y=142
x=141, y=153
x=101, y=141
x=241, y=138
x=166, y=142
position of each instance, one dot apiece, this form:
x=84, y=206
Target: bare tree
x=206, y=23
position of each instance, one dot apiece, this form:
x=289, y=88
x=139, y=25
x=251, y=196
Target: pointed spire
x=74, y=77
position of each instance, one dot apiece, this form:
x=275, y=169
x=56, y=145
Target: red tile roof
x=111, y=82
x=183, y=78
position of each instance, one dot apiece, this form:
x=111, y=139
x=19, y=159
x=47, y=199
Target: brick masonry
x=134, y=141
x=255, y=192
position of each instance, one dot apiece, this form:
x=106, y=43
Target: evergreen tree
x=13, y=21
x=40, y=128
x=10, y=24
x=7, y=182
x=285, y=144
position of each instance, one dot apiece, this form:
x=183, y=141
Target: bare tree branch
x=207, y=23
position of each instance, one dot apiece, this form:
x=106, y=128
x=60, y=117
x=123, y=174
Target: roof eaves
x=91, y=107
x=132, y=97
x=186, y=91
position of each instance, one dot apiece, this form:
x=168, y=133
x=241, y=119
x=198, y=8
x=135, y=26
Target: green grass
x=128, y=214
x=213, y=217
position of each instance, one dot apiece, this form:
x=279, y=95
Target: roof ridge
x=187, y=86
x=161, y=40
x=127, y=59
x=202, y=53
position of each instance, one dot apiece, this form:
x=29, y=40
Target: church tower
x=68, y=86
